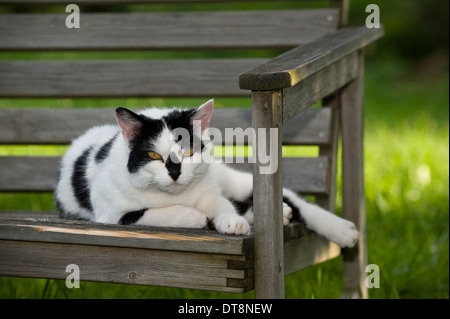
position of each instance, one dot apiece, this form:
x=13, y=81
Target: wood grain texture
x=167, y=30
x=28, y=222
x=268, y=197
x=328, y=201
x=319, y=85
x=120, y=265
x=307, y=251
x=61, y=126
x=39, y=229
x=353, y=194
x=123, y=78
x=294, y=66
x=40, y=173
x=343, y=6
x=40, y=256
x=109, y=2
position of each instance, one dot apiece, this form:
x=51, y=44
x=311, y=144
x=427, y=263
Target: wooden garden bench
x=325, y=63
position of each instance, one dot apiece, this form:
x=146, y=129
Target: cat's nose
x=174, y=174
x=173, y=168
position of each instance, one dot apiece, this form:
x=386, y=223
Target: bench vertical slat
x=343, y=6
x=353, y=198
x=328, y=201
x=268, y=197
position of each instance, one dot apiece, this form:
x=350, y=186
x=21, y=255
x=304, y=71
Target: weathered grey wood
x=305, y=175
x=21, y=214
x=26, y=220
x=123, y=78
x=61, y=126
x=119, y=265
x=311, y=127
x=307, y=251
x=353, y=198
x=29, y=174
x=296, y=65
x=90, y=233
x=319, y=85
x=343, y=6
x=109, y=2
x=40, y=173
x=331, y=151
x=42, y=246
x=167, y=30
x=268, y=197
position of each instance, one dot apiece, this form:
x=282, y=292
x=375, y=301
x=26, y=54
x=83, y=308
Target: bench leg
x=353, y=201
x=268, y=197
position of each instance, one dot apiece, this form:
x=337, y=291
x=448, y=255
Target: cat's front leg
x=173, y=216
x=223, y=214
x=231, y=224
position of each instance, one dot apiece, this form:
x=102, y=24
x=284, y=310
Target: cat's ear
x=203, y=114
x=130, y=123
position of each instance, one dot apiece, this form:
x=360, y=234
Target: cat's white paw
x=234, y=225
x=344, y=233
x=193, y=218
x=287, y=213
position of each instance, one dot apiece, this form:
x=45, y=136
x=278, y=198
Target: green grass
x=406, y=180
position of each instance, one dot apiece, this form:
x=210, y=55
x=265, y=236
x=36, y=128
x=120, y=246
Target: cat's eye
x=188, y=153
x=154, y=155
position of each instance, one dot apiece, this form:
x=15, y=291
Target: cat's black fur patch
x=103, y=152
x=131, y=217
x=79, y=181
x=242, y=206
x=151, y=128
x=140, y=145
x=295, y=210
x=63, y=213
x=182, y=119
x=173, y=168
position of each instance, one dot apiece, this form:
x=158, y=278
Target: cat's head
x=166, y=147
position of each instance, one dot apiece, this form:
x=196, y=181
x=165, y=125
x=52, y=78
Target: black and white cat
x=141, y=172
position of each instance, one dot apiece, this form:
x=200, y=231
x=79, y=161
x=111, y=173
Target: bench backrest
x=181, y=77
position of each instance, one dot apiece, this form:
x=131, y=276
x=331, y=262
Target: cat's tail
x=332, y=227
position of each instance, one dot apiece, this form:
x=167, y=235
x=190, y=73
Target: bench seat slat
x=121, y=265
x=167, y=30
x=184, y=258
x=60, y=126
x=130, y=236
x=40, y=173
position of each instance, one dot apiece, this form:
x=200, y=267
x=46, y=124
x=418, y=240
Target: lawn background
x=406, y=156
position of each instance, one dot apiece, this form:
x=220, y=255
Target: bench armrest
x=297, y=64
